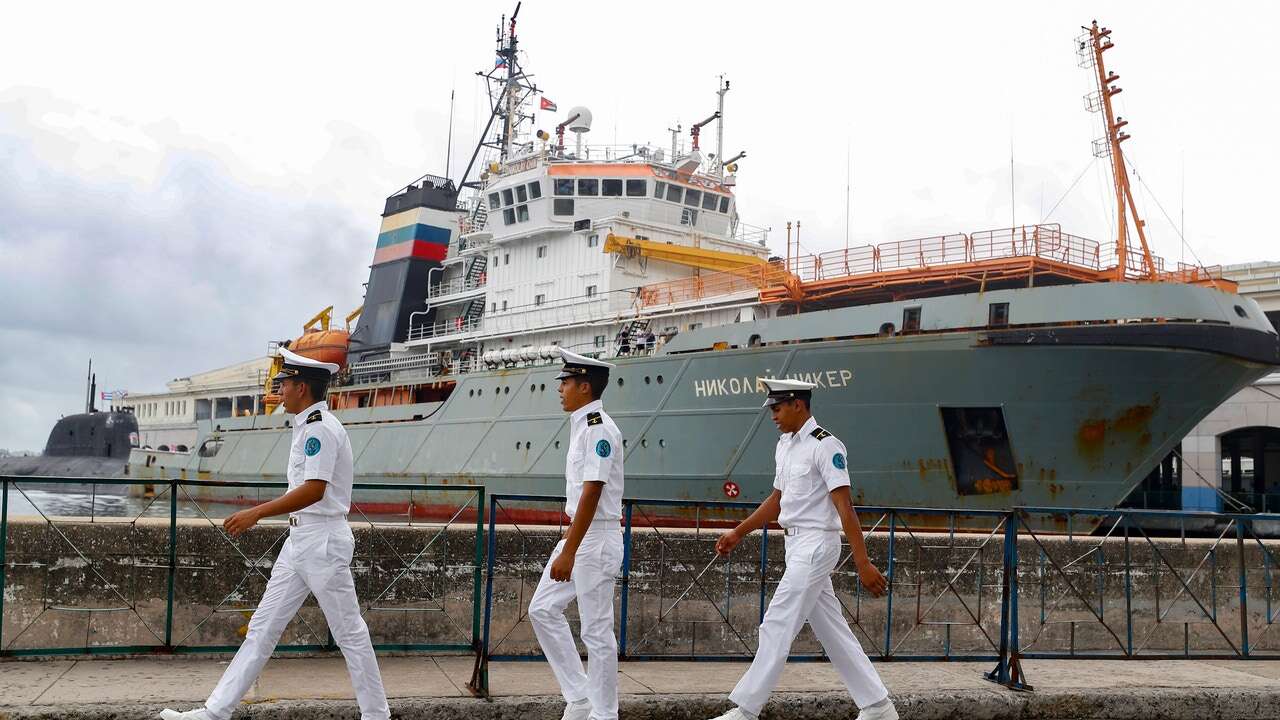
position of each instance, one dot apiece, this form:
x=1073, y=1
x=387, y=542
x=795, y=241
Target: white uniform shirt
x=810, y=464
x=321, y=451
x=595, y=455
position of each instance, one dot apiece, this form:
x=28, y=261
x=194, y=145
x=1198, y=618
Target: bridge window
x=688, y=216
x=692, y=198
x=998, y=314
x=522, y=194
x=675, y=193
x=564, y=186
x=506, y=197
x=599, y=341
x=535, y=190
x=588, y=187
x=635, y=188
x=911, y=319
x=659, y=189
x=562, y=206
x=709, y=201
x=611, y=188
x=495, y=201
x=522, y=213
x=724, y=204
x=509, y=216
x=539, y=299
x=593, y=240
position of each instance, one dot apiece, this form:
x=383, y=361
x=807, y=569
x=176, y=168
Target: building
x=167, y=420
x=1235, y=451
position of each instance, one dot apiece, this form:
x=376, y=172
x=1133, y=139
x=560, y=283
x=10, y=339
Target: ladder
x=476, y=271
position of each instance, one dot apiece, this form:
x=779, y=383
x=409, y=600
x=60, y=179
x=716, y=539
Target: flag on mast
x=545, y=104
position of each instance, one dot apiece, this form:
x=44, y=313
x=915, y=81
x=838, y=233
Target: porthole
x=533, y=387
x=518, y=444
x=471, y=392
x=479, y=392
x=659, y=379
x=1240, y=311
x=506, y=390
x=644, y=442
x=557, y=444
x=662, y=442
x=619, y=382
x=646, y=379
x=624, y=443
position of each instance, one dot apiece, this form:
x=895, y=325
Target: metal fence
x=133, y=567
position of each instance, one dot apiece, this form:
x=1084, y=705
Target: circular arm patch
x=603, y=448
x=838, y=461
x=312, y=447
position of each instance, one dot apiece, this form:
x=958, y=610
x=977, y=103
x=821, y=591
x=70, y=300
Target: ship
x=1022, y=366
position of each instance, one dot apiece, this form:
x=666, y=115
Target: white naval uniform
x=316, y=558
x=810, y=464
x=595, y=455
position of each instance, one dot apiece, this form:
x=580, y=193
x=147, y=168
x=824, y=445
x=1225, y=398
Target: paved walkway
x=436, y=688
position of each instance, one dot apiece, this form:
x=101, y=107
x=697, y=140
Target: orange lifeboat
x=323, y=345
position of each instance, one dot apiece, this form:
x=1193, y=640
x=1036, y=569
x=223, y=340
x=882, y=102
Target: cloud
x=136, y=247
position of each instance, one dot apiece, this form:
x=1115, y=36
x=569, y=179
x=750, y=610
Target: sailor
x=316, y=557
x=811, y=501
x=585, y=563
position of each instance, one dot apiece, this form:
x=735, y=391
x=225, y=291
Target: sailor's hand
x=728, y=541
x=872, y=580
x=562, y=567
x=239, y=522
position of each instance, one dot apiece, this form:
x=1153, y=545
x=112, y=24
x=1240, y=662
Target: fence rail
x=963, y=584
x=148, y=581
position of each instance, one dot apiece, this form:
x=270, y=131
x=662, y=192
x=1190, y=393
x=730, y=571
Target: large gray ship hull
x=1085, y=418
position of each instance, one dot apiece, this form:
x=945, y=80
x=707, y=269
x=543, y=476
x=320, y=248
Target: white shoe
x=197, y=714
x=737, y=713
x=883, y=710
x=580, y=710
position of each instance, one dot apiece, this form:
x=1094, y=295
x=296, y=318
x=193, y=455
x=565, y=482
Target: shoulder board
x=820, y=433
x=593, y=418
x=315, y=416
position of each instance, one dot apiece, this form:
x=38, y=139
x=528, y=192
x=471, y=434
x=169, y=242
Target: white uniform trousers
x=315, y=558
x=805, y=592
x=595, y=570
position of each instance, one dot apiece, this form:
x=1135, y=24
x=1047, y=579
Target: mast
x=1091, y=46
x=720, y=93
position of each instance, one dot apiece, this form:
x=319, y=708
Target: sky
x=181, y=184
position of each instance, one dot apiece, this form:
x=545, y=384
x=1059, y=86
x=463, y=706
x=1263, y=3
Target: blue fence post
x=173, y=563
x=1244, y=588
x=889, y=569
x=4, y=544
x=764, y=563
x=488, y=590
x=1000, y=674
x=626, y=577
x=1128, y=589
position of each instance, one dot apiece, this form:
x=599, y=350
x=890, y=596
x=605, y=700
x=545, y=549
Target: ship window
x=509, y=216
x=674, y=193
x=522, y=213
x=535, y=190
x=588, y=187
x=539, y=299
x=593, y=240
x=1240, y=311
x=591, y=291
x=611, y=188
x=981, y=455
x=495, y=307
x=495, y=261
x=709, y=201
x=635, y=188
x=522, y=194
x=504, y=304
x=998, y=314
x=688, y=216
x=694, y=326
x=911, y=319
x=599, y=341
x=693, y=198
x=562, y=206
x=542, y=251
x=495, y=201
x=506, y=258
x=564, y=186
x=506, y=197
x=724, y=204
x=659, y=189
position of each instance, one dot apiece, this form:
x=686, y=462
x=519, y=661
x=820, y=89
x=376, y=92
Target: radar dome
x=583, y=122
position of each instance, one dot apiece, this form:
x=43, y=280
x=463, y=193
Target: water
x=106, y=502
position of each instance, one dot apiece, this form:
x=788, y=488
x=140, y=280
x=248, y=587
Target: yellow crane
x=761, y=272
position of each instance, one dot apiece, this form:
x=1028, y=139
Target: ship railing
x=143, y=566
x=370, y=369
x=455, y=286
x=754, y=234
x=455, y=326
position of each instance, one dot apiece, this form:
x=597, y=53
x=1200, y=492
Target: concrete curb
x=995, y=704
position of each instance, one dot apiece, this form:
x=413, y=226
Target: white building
x=1236, y=449
x=167, y=420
